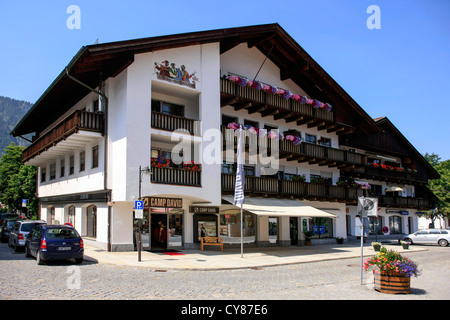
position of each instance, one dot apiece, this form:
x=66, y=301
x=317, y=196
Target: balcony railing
x=78, y=120
x=176, y=176
x=370, y=172
x=270, y=187
x=230, y=88
x=171, y=123
x=301, y=152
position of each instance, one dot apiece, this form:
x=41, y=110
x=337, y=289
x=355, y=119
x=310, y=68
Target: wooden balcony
x=176, y=176
x=171, y=123
x=268, y=104
x=303, y=152
x=73, y=124
x=261, y=186
x=380, y=174
x=270, y=187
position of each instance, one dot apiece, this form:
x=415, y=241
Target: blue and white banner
x=240, y=174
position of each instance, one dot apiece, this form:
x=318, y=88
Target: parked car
x=8, y=215
x=19, y=232
x=54, y=242
x=6, y=228
x=428, y=236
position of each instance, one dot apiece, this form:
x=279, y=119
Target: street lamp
x=146, y=170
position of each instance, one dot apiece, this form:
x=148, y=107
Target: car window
x=10, y=223
x=61, y=233
x=444, y=232
x=422, y=232
x=26, y=227
x=435, y=232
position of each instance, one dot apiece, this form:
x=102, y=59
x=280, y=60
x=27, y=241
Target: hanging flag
x=240, y=175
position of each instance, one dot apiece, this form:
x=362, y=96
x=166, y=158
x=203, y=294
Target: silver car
x=20, y=231
x=429, y=236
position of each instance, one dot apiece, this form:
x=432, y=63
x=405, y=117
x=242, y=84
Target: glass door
x=175, y=229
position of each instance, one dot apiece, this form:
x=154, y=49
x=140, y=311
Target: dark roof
x=106, y=60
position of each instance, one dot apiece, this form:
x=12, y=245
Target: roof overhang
x=98, y=62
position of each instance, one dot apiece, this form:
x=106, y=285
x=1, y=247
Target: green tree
x=440, y=187
x=17, y=181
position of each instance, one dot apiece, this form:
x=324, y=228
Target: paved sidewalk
x=213, y=259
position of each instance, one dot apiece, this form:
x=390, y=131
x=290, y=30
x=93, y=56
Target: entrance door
x=293, y=223
x=145, y=232
x=158, y=231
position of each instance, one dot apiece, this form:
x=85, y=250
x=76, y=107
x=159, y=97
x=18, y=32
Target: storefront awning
x=280, y=207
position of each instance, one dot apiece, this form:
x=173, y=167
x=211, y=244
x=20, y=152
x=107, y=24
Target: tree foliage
x=440, y=187
x=17, y=181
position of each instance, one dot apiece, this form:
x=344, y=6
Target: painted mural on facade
x=170, y=72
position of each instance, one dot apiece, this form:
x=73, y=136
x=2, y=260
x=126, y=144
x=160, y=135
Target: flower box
x=392, y=282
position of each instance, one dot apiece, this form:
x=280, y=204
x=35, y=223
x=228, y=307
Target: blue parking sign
x=139, y=205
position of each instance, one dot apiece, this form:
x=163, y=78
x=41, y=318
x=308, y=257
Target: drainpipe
x=103, y=107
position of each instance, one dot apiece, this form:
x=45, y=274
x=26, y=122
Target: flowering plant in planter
x=391, y=262
x=192, y=166
x=159, y=162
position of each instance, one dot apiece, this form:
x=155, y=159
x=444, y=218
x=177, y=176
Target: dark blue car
x=54, y=242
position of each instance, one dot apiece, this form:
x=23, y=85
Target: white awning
x=280, y=207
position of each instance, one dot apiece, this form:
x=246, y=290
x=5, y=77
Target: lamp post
x=139, y=239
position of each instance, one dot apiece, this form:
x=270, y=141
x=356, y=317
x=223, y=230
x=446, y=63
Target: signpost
x=139, y=214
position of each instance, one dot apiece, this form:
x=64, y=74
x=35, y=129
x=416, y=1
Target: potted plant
x=376, y=246
x=340, y=240
x=392, y=271
x=405, y=244
x=308, y=236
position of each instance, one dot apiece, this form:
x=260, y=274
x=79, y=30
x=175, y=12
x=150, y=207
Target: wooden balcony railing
x=78, y=120
x=176, y=176
x=301, y=152
x=370, y=172
x=270, y=187
x=232, y=89
x=172, y=123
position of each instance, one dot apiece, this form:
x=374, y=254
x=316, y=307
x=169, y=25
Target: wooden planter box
x=392, y=283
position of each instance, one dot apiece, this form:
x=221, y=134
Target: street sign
x=385, y=230
x=24, y=203
x=139, y=209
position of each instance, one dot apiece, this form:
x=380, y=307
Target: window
x=251, y=123
x=227, y=119
x=95, y=106
x=43, y=174
x=52, y=171
x=95, y=157
x=375, y=190
x=321, y=227
x=62, y=168
x=82, y=160
x=167, y=108
x=395, y=225
x=310, y=138
x=71, y=164
x=375, y=225
x=325, y=142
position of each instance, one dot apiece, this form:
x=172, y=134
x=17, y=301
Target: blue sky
x=401, y=71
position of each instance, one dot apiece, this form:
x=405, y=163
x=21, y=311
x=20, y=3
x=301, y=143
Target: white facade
x=97, y=194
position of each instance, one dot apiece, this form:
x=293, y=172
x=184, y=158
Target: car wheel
x=443, y=243
x=16, y=249
x=9, y=243
x=408, y=240
x=39, y=260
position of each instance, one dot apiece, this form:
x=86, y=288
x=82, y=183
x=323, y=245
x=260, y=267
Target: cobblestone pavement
x=331, y=280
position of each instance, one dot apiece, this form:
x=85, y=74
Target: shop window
x=273, y=230
x=375, y=225
x=395, y=225
x=71, y=216
x=230, y=227
x=321, y=227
